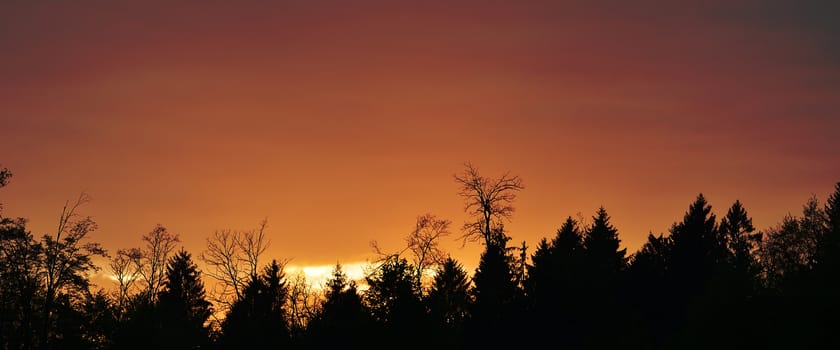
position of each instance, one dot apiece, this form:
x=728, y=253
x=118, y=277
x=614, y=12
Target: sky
x=340, y=122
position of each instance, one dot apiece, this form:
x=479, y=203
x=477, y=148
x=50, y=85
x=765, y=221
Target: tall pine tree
x=448, y=302
x=343, y=321
x=605, y=263
x=258, y=320
x=554, y=287
x=495, y=294
x=736, y=229
x=183, y=307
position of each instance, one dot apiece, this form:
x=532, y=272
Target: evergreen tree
x=258, y=319
x=736, y=229
x=601, y=247
x=554, y=287
x=343, y=320
x=393, y=297
x=828, y=250
x=184, y=309
x=604, y=266
x=448, y=303
x=541, y=275
x=697, y=251
x=494, y=296
x=649, y=309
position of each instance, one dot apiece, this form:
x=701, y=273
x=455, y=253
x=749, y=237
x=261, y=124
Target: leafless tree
x=232, y=258
x=152, y=266
x=125, y=268
x=489, y=201
x=304, y=302
x=67, y=258
x=423, y=243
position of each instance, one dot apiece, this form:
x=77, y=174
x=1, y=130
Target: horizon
x=340, y=124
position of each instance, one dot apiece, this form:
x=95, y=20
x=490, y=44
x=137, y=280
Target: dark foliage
x=343, y=321
x=705, y=284
x=258, y=319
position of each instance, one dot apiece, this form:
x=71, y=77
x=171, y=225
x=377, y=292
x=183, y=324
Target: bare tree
x=488, y=201
x=125, y=268
x=152, y=266
x=423, y=243
x=67, y=258
x=233, y=259
x=304, y=302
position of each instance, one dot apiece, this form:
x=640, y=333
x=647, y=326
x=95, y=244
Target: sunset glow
x=317, y=275
x=341, y=122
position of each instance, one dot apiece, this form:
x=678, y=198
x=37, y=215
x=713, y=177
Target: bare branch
x=233, y=259
x=159, y=245
x=488, y=201
x=303, y=303
x=125, y=268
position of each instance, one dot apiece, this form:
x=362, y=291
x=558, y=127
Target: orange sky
x=341, y=121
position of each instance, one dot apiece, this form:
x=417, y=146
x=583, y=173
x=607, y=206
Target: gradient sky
x=341, y=121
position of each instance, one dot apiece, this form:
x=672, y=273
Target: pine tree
x=696, y=249
x=184, y=309
x=736, y=229
x=554, y=277
x=601, y=246
x=343, y=321
x=604, y=266
x=828, y=250
x=393, y=297
x=495, y=294
x=448, y=302
x=553, y=288
x=258, y=319
x=650, y=310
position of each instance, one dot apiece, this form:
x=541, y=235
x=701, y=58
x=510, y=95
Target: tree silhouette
x=604, y=264
x=827, y=259
x=304, y=303
x=233, y=258
x=601, y=246
x=423, y=244
x=650, y=324
x=555, y=285
x=697, y=250
x=788, y=250
x=259, y=319
x=736, y=229
x=394, y=299
x=125, y=267
x=799, y=305
x=175, y=319
x=184, y=308
x=41, y=281
x=448, y=304
x=21, y=285
x=159, y=244
x=67, y=260
x=343, y=321
x=489, y=202
x=495, y=296
x=5, y=175
x=98, y=321
x=703, y=285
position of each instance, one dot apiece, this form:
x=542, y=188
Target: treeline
x=707, y=283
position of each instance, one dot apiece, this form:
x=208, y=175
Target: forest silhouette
x=712, y=281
